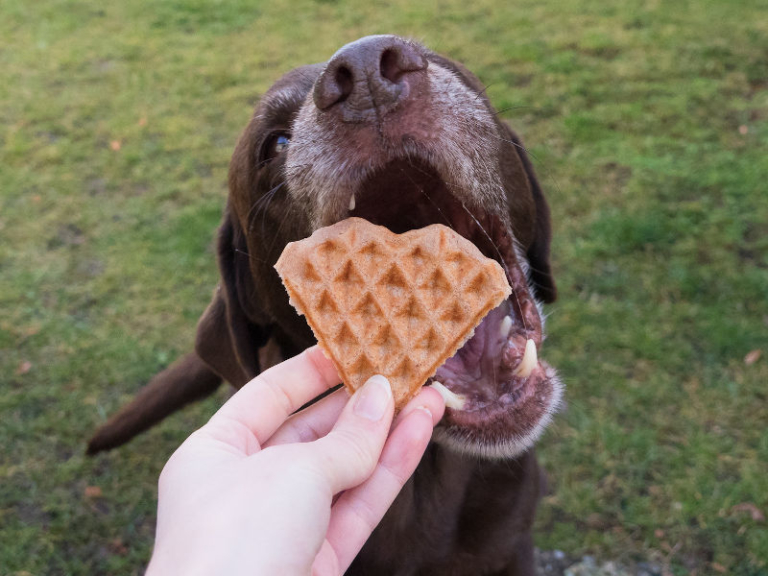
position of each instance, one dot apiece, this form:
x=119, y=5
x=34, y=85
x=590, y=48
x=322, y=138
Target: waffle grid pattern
x=382, y=303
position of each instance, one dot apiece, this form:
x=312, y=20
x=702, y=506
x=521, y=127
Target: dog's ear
x=538, y=249
x=231, y=331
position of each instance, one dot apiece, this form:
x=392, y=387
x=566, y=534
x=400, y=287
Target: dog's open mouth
x=496, y=372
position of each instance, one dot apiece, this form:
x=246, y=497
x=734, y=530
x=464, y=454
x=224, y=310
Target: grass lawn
x=648, y=124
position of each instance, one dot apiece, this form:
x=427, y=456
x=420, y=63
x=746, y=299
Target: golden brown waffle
x=391, y=304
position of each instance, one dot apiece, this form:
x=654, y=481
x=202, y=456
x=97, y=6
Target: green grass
x=647, y=121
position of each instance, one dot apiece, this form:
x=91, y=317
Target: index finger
x=265, y=402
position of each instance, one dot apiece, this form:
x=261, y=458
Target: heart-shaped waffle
x=391, y=304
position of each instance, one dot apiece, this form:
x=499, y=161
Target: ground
x=646, y=121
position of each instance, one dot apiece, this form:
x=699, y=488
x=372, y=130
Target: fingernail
x=373, y=398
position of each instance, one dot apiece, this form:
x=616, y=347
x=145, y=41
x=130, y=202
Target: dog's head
x=391, y=132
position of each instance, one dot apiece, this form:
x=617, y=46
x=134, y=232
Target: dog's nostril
x=345, y=81
x=335, y=85
x=368, y=74
x=388, y=66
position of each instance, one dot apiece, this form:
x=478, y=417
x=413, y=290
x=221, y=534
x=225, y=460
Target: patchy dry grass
x=647, y=121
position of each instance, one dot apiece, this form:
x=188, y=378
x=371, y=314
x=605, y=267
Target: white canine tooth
x=529, y=361
x=451, y=399
x=506, y=326
x=352, y=203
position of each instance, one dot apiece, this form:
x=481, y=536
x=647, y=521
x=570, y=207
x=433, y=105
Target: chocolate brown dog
x=403, y=137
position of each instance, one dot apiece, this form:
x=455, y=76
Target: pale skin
x=260, y=491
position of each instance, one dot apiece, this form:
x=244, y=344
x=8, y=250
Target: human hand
x=252, y=491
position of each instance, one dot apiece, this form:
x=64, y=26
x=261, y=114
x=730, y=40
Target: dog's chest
x=455, y=517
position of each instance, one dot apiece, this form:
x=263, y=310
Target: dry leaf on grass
x=23, y=367
x=753, y=510
x=117, y=546
x=92, y=492
x=752, y=357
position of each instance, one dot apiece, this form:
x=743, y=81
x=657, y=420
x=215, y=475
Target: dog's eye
x=275, y=145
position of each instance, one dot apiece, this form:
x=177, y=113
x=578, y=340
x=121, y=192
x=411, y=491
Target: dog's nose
x=366, y=78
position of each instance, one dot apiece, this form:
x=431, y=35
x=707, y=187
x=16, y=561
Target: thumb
x=348, y=454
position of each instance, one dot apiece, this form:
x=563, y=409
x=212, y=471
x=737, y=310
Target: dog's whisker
x=447, y=183
x=484, y=90
x=510, y=108
x=423, y=191
x=507, y=140
x=517, y=145
x=266, y=208
x=248, y=255
x=261, y=164
x=279, y=228
x=501, y=259
x=254, y=209
x=546, y=173
x=254, y=212
x=428, y=197
x=261, y=202
x=533, y=268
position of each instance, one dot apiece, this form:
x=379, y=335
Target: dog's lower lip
x=514, y=392
x=478, y=414
x=487, y=400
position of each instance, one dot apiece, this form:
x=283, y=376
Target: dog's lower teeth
x=506, y=326
x=529, y=361
x=451, y=399
x=352, y=203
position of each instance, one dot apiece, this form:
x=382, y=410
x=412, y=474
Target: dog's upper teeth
x=506, y=326
x=352, y=203
x=451, y=399
x=529, y=361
